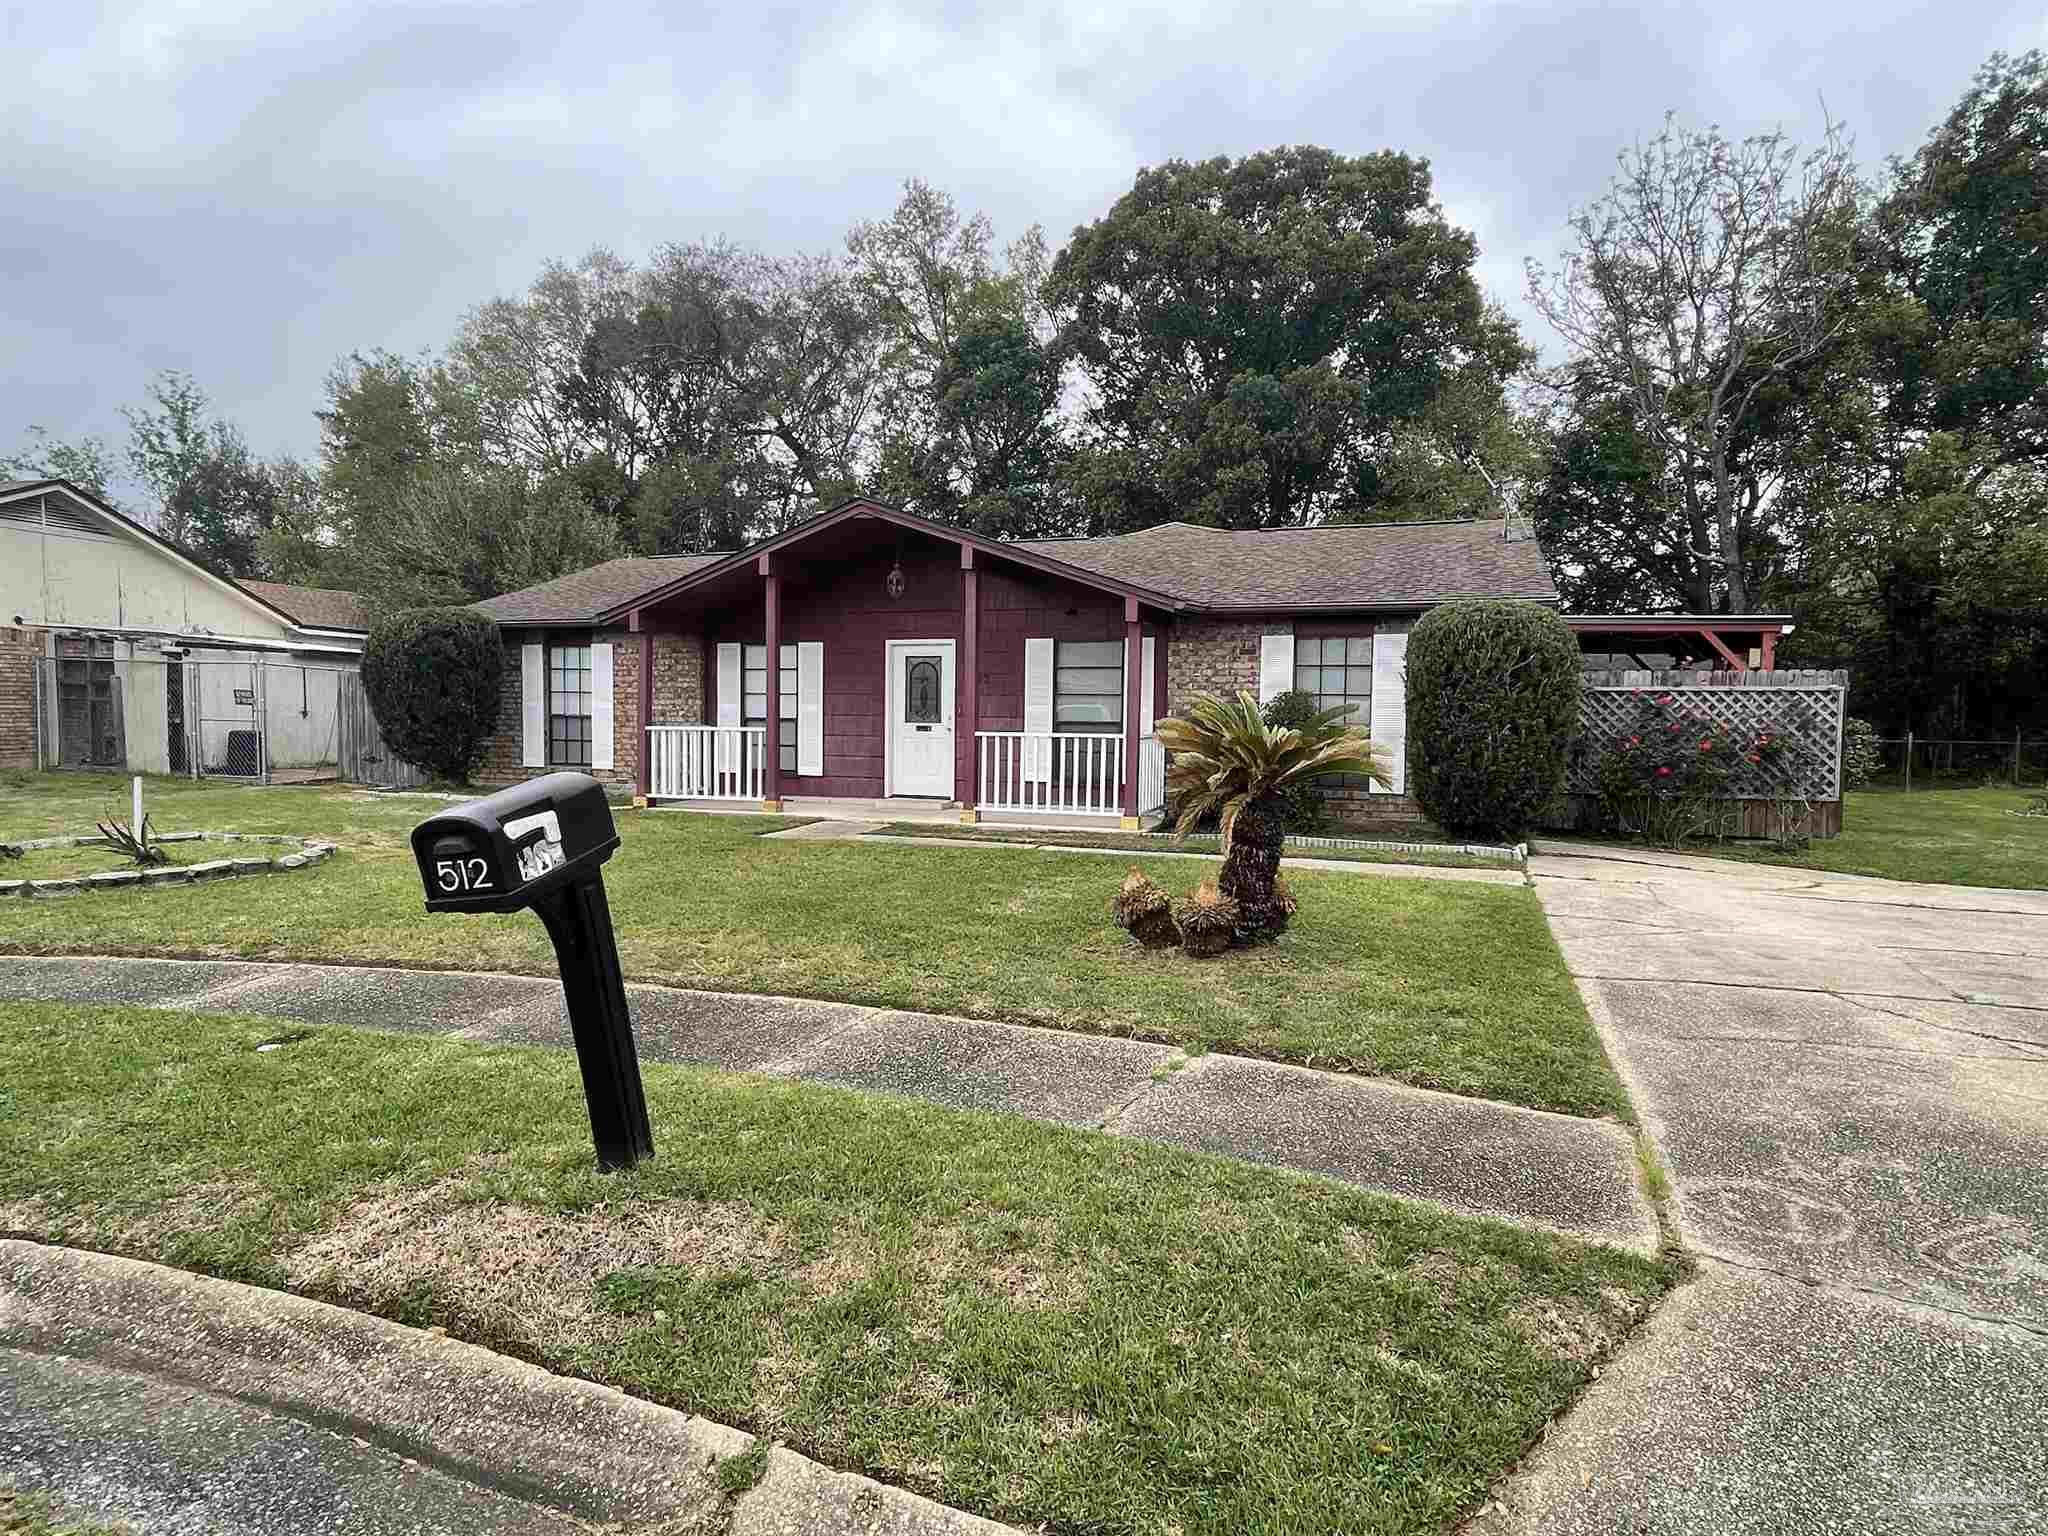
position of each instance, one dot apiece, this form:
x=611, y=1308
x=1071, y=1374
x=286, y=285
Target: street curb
x=587, y=1451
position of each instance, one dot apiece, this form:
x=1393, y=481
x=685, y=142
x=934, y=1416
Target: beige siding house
x=118, y=650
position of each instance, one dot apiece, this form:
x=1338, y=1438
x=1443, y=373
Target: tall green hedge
x=1493, y=705
x=432, y=677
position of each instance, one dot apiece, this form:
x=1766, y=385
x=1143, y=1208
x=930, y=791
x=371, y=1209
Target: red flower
x=1663, y=773
x=1673, y=727
x=1707, y=744
x=1752, y=758
x=1635, y=741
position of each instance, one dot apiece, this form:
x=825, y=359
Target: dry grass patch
x=515, y=1272
x=1565, y=1329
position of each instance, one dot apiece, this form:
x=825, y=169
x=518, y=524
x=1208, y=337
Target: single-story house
x=117, y=649
x=916, y=661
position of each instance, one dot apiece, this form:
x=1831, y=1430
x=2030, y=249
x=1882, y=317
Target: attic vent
x=46, y=512
x=56, y=515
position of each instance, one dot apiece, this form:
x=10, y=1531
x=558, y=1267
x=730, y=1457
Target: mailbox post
x=543, y=844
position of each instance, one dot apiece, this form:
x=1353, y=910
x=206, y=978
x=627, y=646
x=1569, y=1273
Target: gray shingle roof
x=318, y=607
x=581, y=596
x=1351, y=565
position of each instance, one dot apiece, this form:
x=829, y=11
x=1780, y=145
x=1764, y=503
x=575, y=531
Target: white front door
x=921, y=717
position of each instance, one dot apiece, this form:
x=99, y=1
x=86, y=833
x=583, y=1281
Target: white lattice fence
x=1801, y=709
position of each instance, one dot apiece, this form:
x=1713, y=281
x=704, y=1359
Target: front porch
x=1022, y=778
x=870, y=663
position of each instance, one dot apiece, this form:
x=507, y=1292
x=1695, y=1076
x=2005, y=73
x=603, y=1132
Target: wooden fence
x=1803, y=709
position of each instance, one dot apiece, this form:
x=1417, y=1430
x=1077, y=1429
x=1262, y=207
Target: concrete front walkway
x=1848, y=1081
x=1558, y=1172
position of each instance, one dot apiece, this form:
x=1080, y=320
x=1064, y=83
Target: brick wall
x=18, y=650
x=1217, y=656
x=1221, y=656
x=678, y=700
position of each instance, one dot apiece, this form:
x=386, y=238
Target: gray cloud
x=248, y=190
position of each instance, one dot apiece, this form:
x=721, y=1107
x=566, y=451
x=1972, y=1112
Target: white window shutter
x=1390, y=703
x=1038, y=709
x=602, y=716
x=1276, y=665
x=810, y=707
x=728, y=704
x=1148, y=675
x=533, y=708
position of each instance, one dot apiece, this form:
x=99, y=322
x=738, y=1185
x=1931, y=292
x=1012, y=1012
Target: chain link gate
x=202, y=714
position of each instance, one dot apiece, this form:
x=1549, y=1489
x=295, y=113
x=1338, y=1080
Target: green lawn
x=1450, y=985
x=1034, y=1323
x=1944, y=836
x=1441, y=858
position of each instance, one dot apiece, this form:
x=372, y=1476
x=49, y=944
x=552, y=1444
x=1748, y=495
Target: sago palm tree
x=1228, y=762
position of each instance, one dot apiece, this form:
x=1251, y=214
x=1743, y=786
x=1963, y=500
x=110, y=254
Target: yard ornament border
x=311, y=851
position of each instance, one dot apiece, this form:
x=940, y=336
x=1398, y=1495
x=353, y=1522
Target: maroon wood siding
x=845, y=605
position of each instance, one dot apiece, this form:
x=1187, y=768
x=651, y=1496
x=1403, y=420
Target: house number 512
x=462, y=874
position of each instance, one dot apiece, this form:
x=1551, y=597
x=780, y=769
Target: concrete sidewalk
x=1557, y=1172
x=177, y=1403
x=1846, y=1079
x=871, y=832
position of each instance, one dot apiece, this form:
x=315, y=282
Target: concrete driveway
x=1847, y=1081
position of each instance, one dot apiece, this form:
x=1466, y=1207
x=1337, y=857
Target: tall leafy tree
x=969, y=387
x=1708, y=270
x=1253, y=332
x=1922, y=485
x=87, y=461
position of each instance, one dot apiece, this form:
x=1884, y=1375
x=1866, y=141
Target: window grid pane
x=754, y=696
x=569, y=733
x=1088, y=685
x=1336, y=670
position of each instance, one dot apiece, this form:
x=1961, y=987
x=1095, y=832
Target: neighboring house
x=913, y=660
x=119, y=650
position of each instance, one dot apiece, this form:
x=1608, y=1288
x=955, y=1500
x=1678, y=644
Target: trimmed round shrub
x=432, y=678
x=1493, y=706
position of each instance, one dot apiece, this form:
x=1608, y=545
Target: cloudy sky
x=249, y=189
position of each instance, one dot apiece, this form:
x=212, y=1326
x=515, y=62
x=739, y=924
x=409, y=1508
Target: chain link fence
x=262, y=720
x=1921, y=762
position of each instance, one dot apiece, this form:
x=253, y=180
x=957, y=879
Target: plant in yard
x=432, y=676
x=138, y=845
x=1493, y=705
x=1208, y=920
x=1145, y=912
x=1861, y=760
x=1673, y=767
x=1229, y=762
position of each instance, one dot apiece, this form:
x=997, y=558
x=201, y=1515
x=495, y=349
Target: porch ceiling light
x=895, y=580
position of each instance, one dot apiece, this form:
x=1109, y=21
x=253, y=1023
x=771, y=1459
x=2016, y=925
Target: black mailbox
x=543, y=845
x=505, y=851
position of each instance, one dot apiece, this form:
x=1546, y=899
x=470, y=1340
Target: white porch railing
x=707, y=762
x=1077, y=774
x=1151, y=776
